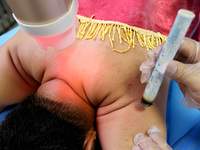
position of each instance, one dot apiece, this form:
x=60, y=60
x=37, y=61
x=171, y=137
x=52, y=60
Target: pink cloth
x=157, y=16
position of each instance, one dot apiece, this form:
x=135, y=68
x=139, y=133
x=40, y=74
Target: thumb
x=187, y=75
x=177, y=71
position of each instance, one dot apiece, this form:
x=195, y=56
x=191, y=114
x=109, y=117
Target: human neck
x=59, y=90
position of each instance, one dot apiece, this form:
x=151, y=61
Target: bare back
x=108, y=80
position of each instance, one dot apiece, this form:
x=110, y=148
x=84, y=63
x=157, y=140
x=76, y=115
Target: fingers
x=156, y=52
x=188, y=74
x=154, y=141
x=147, y=67
x=145, y=143
x=188, y=100
x=188, y=51
x=157, y=138
x=175, y=70
x=136, y=148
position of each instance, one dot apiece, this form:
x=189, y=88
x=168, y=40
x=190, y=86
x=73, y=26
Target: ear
x=90, y=141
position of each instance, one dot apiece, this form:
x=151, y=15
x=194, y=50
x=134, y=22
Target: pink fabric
x=153, y=15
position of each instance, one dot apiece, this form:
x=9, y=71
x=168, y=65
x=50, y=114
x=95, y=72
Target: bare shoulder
x=30, y=56
x=18, y=67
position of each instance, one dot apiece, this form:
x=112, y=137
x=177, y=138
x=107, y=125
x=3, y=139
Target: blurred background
x=7, y=21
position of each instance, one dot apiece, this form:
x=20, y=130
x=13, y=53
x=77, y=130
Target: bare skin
x=88, y=74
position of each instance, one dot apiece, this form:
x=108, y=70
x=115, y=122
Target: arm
x=15, y=82
x=116, y=130
x=120, y=116
x=184, y=70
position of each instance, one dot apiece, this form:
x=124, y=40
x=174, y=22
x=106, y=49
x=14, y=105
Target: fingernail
x=153, y=129
x=143, y=78
x=136, y=148
x=163, y=67
x=168, y=68
x=171, y=69
x=181, y=46
x=138, y=137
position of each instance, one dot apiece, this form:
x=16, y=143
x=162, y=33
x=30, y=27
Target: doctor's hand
x=185, y=70
x=153, y=141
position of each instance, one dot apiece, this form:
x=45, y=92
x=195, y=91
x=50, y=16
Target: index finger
x=144, y=142
x=189, y=51
x=156, y=137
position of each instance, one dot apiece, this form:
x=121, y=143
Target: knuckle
x=181, y=73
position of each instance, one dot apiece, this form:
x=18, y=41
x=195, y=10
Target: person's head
x=42, y=123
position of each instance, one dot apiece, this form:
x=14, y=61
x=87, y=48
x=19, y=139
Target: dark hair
x=40, y=123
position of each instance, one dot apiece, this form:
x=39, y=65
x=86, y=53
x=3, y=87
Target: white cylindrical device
x=51, y=23
x=176, y=35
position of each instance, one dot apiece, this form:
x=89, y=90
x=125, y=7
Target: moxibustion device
x=51, y=23
x=176, y=35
